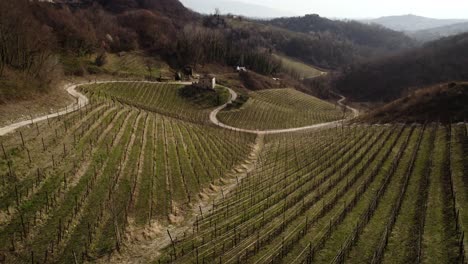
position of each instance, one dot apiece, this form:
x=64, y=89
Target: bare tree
x=149, y=66
x=25, y=43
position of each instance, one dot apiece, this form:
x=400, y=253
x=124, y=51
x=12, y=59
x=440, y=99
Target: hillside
x=169, y=34
x=442, y=103
x=389, y=78
x=412, y=22
x=106, y=156
x=439, y=32
x=170, y=8
x=303, y=71
x=56, y=37
x=191, y=138
x=142, y=166
x=281, y=109
x=368, y=40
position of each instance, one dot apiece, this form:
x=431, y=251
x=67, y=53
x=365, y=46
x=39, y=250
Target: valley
x=141, y=131
x=140, y=157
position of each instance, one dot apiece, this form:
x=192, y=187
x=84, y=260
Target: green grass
x=439, y=239
x=134, y=64
x=247, y=225
x=109, y=179
x=304, y=70
x=142, y=153
x=364, y=249
x=333, y=244
x=403, y=241
x=459, y=168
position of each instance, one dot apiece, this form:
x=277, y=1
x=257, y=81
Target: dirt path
x=144, y=244
x=214, y=120
x=81, y=101
x=354, y=110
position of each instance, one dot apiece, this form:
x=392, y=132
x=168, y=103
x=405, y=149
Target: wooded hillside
x=365, y=40
x=390, y=78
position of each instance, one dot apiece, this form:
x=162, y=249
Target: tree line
x=51, y=33
x=391, y=77
x=26, y=56
x=347, y=41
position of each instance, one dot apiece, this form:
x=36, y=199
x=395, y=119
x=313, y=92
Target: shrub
x=93, y=69
x=101, y=59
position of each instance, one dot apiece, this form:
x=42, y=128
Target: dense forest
x=389, y=78
x=26, y=50
x=164, y=28
x=37, y=37
x=367, y=39
x=53, y=36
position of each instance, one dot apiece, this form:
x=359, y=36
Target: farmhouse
x=206, y=82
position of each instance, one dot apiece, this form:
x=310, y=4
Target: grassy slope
x=445, y=103
x=306, y=71
x=104, y=165
x=135, y=64
x=174, y=100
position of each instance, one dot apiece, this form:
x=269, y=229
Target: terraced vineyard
x=162, y=98
x=360, y=194
x=70, y=186
x=142, y=157
x=281, y=108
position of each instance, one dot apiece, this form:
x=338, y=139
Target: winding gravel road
x=214, y=120
x=82, y=101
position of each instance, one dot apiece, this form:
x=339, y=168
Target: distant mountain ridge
x=439, y=32
x=235, y=7
x=413, y=22
x=353, y=31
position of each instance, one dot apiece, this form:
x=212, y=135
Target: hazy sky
x=371, y=8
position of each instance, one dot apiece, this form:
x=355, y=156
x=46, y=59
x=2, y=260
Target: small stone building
x=206, y=82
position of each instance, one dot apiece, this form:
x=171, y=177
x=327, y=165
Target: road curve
x=354, y=110
x=214, y=120
x=82, y=101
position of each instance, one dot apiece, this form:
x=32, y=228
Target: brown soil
x=445, y=103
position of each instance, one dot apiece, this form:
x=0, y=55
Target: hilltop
x=155, y=162
x=439, y=32
x=445, y=103
x=412, y=22
x=389, y=78
x=366, y=40
x=76, y=33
